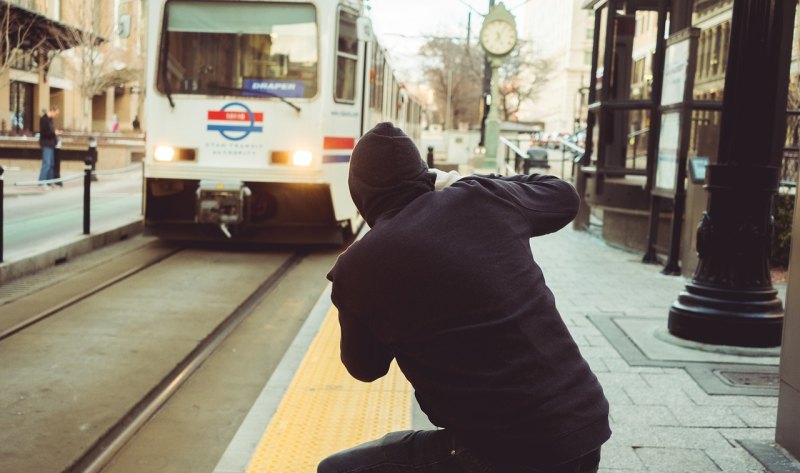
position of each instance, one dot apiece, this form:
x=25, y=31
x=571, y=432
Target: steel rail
x=83, y=295
x=115, y=438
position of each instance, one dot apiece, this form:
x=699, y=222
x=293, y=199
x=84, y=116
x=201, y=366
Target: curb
x=10, y=270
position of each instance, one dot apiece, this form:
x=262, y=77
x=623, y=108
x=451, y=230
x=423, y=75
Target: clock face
x=498, y=37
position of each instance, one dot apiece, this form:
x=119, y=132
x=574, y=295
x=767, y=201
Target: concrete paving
x=676, y=406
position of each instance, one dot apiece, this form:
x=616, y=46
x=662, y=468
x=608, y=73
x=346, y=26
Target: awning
x=28, y=30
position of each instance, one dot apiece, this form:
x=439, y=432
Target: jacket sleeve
x=365, y=357
x=546, y=203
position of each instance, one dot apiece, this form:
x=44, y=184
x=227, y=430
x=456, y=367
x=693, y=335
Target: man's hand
x=444, y=179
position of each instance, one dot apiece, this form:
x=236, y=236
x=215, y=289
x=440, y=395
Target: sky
x=403, y=25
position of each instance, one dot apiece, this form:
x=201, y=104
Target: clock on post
x=498, y=38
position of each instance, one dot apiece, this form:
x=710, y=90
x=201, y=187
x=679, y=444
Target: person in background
x=136, y=125
x=445, y=283
x=57, y=162
x=48, y=138
x=115, y=124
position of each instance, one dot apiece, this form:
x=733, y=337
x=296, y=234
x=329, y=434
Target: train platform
x=676, y=406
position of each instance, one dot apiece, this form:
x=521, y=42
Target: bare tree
x=454, y=70
x=20, y=35
x=522, y=77
x=22, y=45
x=94, y=63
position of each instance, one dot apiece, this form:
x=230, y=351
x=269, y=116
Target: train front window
x=239, y=48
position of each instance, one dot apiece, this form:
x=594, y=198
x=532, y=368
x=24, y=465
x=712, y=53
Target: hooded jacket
x=47, y=132
x=445, y=283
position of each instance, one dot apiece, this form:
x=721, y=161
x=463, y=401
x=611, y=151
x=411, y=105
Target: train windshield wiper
x=258, y=93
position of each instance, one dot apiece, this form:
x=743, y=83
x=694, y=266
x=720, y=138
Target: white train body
x=252, y=110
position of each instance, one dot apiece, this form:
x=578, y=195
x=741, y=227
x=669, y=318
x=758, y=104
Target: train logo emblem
x=235, y=121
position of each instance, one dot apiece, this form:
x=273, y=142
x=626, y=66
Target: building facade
x=84, y=57
x=562, y=32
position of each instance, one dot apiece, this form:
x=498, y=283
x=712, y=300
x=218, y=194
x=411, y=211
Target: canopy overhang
x=30, y=30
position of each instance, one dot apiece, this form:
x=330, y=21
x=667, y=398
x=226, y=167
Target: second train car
x=252, y=111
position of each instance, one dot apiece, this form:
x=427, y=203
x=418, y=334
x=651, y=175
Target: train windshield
x=239, y=48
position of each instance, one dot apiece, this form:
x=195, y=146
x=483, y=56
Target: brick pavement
x=663, y=419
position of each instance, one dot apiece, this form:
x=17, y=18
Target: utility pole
x=469, y=27
x=485, y=97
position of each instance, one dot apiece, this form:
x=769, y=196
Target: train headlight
x=164, y=153
x=302, y=158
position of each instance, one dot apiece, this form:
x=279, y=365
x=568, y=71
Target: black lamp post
x=730, y=300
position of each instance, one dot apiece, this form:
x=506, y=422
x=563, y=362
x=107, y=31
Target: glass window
x=346, y=57
x=240, y=48
x=376, y=78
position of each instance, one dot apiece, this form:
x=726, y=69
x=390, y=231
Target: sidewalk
x=15, y=174
x=43, y=226
x=676, y=406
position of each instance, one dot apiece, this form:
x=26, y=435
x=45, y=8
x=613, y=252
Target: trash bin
x=536, y=158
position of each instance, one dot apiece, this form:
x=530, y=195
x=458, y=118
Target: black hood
x=386, y=172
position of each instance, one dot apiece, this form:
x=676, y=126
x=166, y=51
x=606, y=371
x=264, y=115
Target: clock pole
x=493, y=119
x=498, y=37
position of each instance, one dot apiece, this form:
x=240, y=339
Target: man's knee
x=332, y=464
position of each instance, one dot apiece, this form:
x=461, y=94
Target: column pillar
x=701, y=55
x=41, y=96
x=5, y=99
x=726, y=41
x=787, y=430
x=731, y=300
x=109, y=108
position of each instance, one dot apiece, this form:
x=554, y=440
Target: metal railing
x=577, y=155
x=504, y=165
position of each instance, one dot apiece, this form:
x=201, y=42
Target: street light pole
x=730, y=300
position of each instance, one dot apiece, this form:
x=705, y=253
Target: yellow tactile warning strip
x=325, y=410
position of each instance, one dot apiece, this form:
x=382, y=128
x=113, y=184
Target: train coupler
x=221, y=203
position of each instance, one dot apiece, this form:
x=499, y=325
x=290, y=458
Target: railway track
x=90, y=363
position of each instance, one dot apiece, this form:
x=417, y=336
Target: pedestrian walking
x=445, y=284
x=48, y=138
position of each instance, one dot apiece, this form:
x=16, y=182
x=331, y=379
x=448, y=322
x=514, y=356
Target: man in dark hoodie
x=445, y=283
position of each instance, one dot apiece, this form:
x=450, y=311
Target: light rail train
x=252, y=110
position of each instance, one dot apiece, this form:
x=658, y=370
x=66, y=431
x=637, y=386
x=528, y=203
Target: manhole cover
x=745, y=378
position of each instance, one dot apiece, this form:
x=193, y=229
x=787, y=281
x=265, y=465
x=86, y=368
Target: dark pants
x=430, y=451
x=57, y=166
